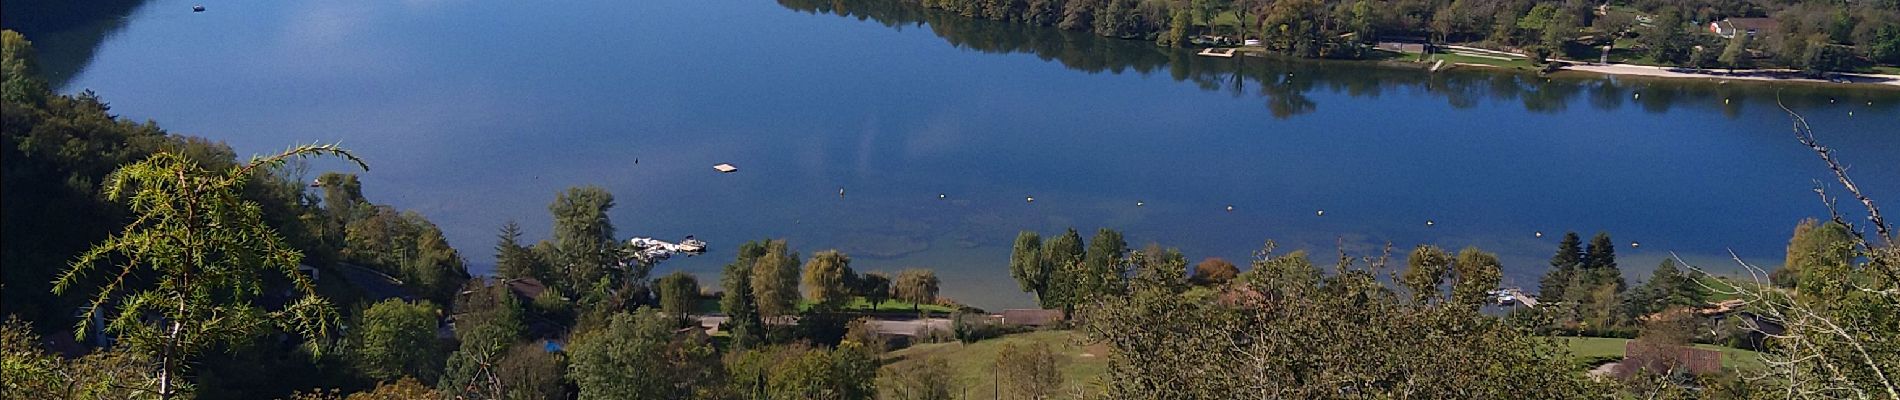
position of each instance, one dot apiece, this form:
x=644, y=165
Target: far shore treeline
x=144, y=264
x=1813, y=36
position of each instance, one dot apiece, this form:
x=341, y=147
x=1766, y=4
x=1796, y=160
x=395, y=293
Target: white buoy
x=1230, y=207
x=1139, y=203
x=1430, y=223
x=1636, y=96
x=1321, y=213
x=1635, y=244
x=1540, y=233
x=941, y=196
x=1030, y=199
x=1724, y=101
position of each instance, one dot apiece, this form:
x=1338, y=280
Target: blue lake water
x=477, y=113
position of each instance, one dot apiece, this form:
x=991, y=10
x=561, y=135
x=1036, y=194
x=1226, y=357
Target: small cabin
x=1727, y=28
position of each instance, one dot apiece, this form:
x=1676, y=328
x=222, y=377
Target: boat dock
x=1214, y=52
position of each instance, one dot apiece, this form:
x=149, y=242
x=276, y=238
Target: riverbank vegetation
x=224, y=279
x=1691, y=33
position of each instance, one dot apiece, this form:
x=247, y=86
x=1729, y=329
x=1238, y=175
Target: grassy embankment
x=1081, y=366
x=974, y=362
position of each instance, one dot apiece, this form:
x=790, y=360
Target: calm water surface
x=476, y=113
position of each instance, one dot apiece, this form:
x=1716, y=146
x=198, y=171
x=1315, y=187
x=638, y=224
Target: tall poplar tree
x=583, y=237
x=1063, y=255
x=1028, y=266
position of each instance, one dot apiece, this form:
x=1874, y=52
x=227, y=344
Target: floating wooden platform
x=726, y=168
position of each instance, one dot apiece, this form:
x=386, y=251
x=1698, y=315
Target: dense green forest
x=1812, y=35
x=192, y=262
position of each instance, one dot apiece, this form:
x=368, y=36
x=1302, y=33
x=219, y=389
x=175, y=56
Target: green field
x=974, y=362
x=1732, y=358
x=859, y=304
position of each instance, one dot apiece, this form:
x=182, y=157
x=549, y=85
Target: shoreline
x=1857, y=80
x=1853, y=80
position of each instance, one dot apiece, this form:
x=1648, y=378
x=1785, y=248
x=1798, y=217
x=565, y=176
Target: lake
x=477, y=113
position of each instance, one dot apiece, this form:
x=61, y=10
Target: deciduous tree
x=828, y=279
x=394, y=338
x=916, y=285
x=637, y=356
x=1214, y=271
x=1063, y=256
x=1029, y=371
x=679, y=293
x=775, y=280
x=1028, y=265
x=875, y=286
x=583, y=237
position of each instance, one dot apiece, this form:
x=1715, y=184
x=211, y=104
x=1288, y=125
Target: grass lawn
x=711, y=306
x=859, y=304
x=1225, y=22
x=1732, y=358
x=974, y=362
x=1884, y=69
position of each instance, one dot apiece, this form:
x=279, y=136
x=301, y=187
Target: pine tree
x=1599, y=263
x=1563, y=265
x=739, y=303
x=200, y=249
x=514, y=260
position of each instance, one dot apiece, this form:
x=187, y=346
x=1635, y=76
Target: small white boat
x=726, y=168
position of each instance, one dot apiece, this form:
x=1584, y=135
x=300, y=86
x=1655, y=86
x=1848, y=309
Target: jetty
x=1214, y=52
